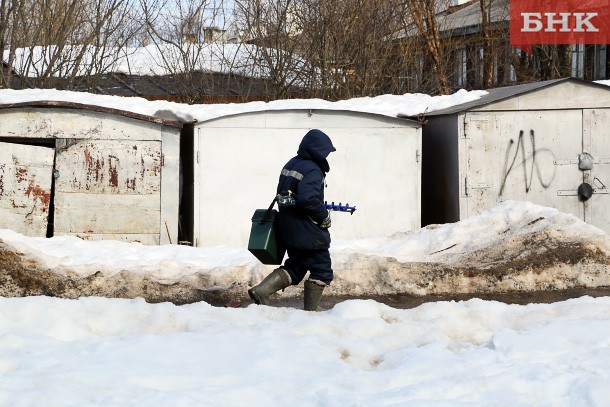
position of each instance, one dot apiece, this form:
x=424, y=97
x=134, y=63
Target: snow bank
x=450, y=243
x=516, y=246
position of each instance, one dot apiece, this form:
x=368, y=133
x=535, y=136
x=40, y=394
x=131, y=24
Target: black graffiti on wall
x=527, y=162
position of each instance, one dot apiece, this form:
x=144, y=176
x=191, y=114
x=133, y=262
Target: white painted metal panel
x=61, y=123
x=108, y=187
x=375, y=168
x=107, y=213
x=596, y=141
x=560, y=96
x=25, y=188
x=305, y=119
x=530, y=156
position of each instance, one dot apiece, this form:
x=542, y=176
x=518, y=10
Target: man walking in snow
x=303, y=224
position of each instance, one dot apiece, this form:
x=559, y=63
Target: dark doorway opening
x=187, y=188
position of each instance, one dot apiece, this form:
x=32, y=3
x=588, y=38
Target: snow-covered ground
x=126, y=352
x=111, y=352
x=116, y=352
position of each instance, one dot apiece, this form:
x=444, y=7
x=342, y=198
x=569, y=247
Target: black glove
x=325, y=224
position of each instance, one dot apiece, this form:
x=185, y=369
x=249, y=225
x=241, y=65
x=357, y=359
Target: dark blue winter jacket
x=303, y=178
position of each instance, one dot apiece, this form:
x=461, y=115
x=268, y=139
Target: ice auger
x=340, y=208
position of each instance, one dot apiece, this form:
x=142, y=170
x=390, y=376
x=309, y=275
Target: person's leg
x=295, y=264
x=319, y=264
x=320, y=275
x=312, y=295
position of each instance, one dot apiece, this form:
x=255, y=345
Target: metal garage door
x=596, y=142
x=522, y=155
x=25, y=188
x=109, y=189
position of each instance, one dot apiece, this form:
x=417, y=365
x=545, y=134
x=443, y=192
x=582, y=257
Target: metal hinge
x=565, y=162
x=568, y=192
x=473, y=118
x=416, y=156
x=468, y=187
x=197, y=156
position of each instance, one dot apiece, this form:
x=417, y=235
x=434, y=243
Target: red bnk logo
x=559, y=22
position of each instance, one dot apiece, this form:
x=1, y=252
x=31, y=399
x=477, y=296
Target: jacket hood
x=316, y=146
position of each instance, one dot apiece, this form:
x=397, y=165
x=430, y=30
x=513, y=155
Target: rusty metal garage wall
x=116, y=177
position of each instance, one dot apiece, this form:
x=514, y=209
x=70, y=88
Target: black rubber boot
x=312, y=294
x=277, y=280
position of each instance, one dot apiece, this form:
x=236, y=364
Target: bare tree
x=63, y=38
x=422, y=15
x=486, y=30
x=349, y=46
x=275, y=29
x=12, y=29
x=188, y=39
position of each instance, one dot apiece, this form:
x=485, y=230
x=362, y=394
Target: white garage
x=88, y=171
x=545, y=142
x=238, y=159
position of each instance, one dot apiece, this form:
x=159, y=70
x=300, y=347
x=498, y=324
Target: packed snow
x=111, y=352
x=100, y=351
x=407, y=105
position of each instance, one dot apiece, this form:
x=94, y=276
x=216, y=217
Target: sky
x=98, y=351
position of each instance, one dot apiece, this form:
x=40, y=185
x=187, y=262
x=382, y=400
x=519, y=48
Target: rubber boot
x=277, y=280
x=312, y=294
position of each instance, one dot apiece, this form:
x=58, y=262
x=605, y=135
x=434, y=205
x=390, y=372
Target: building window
x=480, y=66
x=461, y=68
x=513, y=56
x=417, y=71
x=578, y=61
x=496, y=70
x=600, y=59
